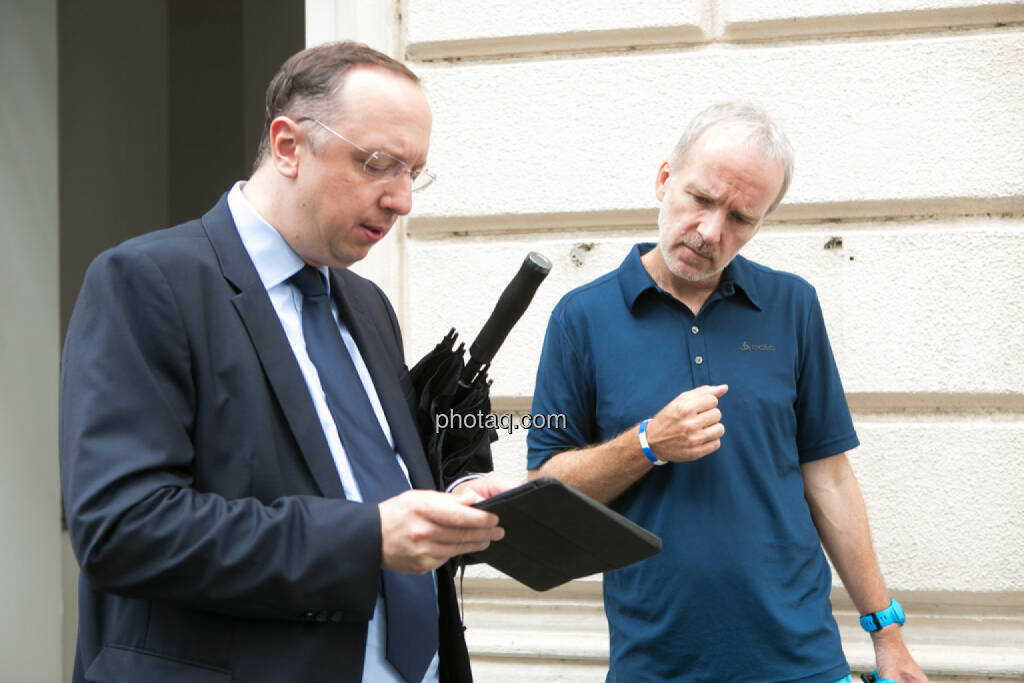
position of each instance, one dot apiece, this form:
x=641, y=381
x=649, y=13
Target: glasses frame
x=396, y=167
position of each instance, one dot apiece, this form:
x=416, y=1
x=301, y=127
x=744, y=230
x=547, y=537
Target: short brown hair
x=310, y=78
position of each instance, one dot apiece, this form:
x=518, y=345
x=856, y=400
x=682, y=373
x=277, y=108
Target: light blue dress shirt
x=275, y=263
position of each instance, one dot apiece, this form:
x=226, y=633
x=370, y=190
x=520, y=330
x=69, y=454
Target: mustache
x=697, y=243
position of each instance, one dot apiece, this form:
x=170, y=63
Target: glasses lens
x=422, y=180
x=383, y=166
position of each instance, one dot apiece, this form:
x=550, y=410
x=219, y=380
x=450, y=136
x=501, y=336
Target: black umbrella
x=454, y=396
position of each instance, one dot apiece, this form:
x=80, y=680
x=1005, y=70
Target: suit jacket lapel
x=365, y=330
x=271, y=344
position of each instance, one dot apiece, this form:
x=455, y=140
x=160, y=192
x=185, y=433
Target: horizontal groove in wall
x=897, y=404
x=878, y=23
x=586, y=591
x=888, y=209
x=426, y=227
x=894, y=405
x=547, y=43
x=739, y=34
x=445, y=226
x=517, y=405
x=587, y=594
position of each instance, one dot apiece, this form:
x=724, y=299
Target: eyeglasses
x=381, y=166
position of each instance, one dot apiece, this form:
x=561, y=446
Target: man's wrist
x=888, y=634
x=646, y=447
x=892, y=614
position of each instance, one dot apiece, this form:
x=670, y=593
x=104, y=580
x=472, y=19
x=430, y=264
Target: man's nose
x=711, y=226
x=398, y=195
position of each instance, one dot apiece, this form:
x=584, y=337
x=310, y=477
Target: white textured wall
x=911, y=308
x=908, y=121
x=918, y=121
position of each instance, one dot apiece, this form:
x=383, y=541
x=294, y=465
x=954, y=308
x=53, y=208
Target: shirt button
x=695, y=329
x=698, y=360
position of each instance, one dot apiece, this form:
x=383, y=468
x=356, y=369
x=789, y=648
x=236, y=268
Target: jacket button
x=308, y=616
x=321, y=616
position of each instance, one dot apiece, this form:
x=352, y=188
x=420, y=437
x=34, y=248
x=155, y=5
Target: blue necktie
x=408, y=598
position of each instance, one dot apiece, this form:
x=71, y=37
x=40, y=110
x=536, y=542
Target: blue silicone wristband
x=893, y=614
x=646, y=447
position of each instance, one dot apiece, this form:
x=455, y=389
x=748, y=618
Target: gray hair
x=762, y=132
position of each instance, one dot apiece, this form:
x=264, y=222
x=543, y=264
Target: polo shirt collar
x=740, y=276
x=634, y=279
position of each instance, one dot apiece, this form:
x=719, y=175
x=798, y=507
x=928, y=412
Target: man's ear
x=285, y=139
x=661, y=181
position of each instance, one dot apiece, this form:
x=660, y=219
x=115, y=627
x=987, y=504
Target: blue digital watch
x=893, y=614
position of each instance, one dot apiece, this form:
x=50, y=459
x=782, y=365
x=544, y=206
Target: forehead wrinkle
x=730, y=149
x=727, y=197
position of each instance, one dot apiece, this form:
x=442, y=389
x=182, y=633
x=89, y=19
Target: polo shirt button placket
x=699, y=355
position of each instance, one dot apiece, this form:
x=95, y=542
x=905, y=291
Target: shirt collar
x=274, y=260
x=740, y=276
x=634, y=279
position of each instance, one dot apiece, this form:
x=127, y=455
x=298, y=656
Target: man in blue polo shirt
x=648, y=364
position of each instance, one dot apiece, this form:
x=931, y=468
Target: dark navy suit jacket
x=202, y=500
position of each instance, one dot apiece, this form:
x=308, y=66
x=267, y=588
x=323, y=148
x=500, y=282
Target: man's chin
x=348, y=258
x=694, y=275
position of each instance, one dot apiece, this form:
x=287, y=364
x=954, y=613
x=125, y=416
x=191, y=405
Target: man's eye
x=379, y=165
x=700, y=199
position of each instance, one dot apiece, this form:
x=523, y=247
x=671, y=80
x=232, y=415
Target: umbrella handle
x=507, y=312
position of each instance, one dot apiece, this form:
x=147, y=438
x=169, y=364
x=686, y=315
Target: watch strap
x=893, y=614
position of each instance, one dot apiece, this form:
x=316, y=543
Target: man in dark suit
x=245, y=487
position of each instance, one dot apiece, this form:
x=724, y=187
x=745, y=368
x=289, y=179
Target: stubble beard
x=692, y=240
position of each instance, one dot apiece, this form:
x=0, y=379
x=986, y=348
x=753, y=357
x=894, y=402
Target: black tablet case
x=554, y=534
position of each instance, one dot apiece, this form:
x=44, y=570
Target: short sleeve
x=563, y=395
x=824, y=425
